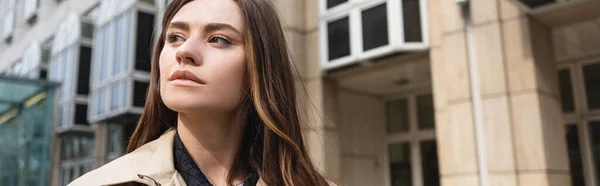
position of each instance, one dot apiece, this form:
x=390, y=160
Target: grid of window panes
x=123, y=49
x=71, y=67
x=399, y=122
x=580, y=100
x=377, y=21
x=76, y=156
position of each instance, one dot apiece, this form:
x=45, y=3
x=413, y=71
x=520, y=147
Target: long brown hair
x=272, y=143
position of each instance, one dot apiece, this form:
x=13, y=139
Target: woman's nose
x=189, y=52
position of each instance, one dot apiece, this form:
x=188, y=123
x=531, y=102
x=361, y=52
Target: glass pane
x=594, y=128
x=114, y=102
x=566, y=90
x=139, y=93
x=332, y=3
x=102, y=101
x=97, y=54
x=116, y=137
x=104, y=60
x=400, y=168
x=397, y=116
x=338, y=38
x=81, y=114
x=118, y=47
x=87, y=29
x=425, y=112
x=574, y=156
x=375, y=27
x=83, y=79
x=591, y=75
x=145, y=26
x=429, y=162
x=411, y=15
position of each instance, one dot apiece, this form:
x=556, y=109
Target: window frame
x=353, y=9
x=414, y=136
x=127, y=76
x=582, y=116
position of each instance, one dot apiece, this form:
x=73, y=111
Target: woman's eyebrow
x=210, y=27
x=180, y=25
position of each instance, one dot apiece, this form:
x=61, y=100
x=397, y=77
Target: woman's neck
x=213, y=141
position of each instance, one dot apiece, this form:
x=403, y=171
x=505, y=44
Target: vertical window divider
x=589, y=168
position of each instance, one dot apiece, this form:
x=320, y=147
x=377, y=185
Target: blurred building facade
x=393, y=92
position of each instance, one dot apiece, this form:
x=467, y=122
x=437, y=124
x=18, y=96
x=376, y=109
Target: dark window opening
x=143, y=48
x=332, y=3
x=411, y=14
x=591, y=75
x=43, y=74
x=574, y=155
x=139, y=93
x=338, y=38
x=566, y=91
x=81, y=114
x=375, y=27
x=83, y=78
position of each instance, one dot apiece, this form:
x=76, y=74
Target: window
x=139, y=93
x=8, y=22
x=591, y=74
x=333, y=3
x=83, y=80
x=338, y=35
x=366, y=30
x=397, y=116
x=30, y=10
x=566, y=90
x=410, y=134
x=76, y=152
x=578, y=83
x=375, y=27
x=574, y=155
x=145, y=26
x=411, y=14
x=81, y=114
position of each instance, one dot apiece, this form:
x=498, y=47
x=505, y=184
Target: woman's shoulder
x=153, y=158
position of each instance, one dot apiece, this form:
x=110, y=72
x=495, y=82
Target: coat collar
x=151, y=164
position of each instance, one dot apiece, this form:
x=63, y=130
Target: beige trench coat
x=151, y=164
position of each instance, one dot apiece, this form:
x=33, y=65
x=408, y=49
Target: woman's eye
x=220, y=40
x=171, y=38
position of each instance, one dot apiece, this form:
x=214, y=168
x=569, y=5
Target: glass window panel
x=102, y=101
x=122, y=94
x=338, y=38
x=425, y=112
x=594, y=128
x=566, y=90
x=87, y=29
x=83, y=77
x=397, y=116
x=81, y=114
x=70, y=71
x=139, y=93
x=400, y=167
x=97, y=53
x=117, y=45
x=125, y=42
x=114, y=104
x=145, y=26
x=411, y=15
x=116, y=135
x=429, y=162
x=375, y=27
x=574, y=151
x=591, y=75
x=332, y=3
x=104, y=59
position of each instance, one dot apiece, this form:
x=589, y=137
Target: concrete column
x=523, y=133
x=100, y=144
x=316, y=96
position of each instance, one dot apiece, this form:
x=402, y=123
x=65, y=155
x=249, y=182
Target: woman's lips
x=185, y=78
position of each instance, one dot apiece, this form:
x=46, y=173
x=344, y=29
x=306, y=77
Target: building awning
x=17, y=93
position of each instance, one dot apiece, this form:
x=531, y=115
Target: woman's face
x=202, y=63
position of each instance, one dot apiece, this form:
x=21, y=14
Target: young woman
x=220, y=108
